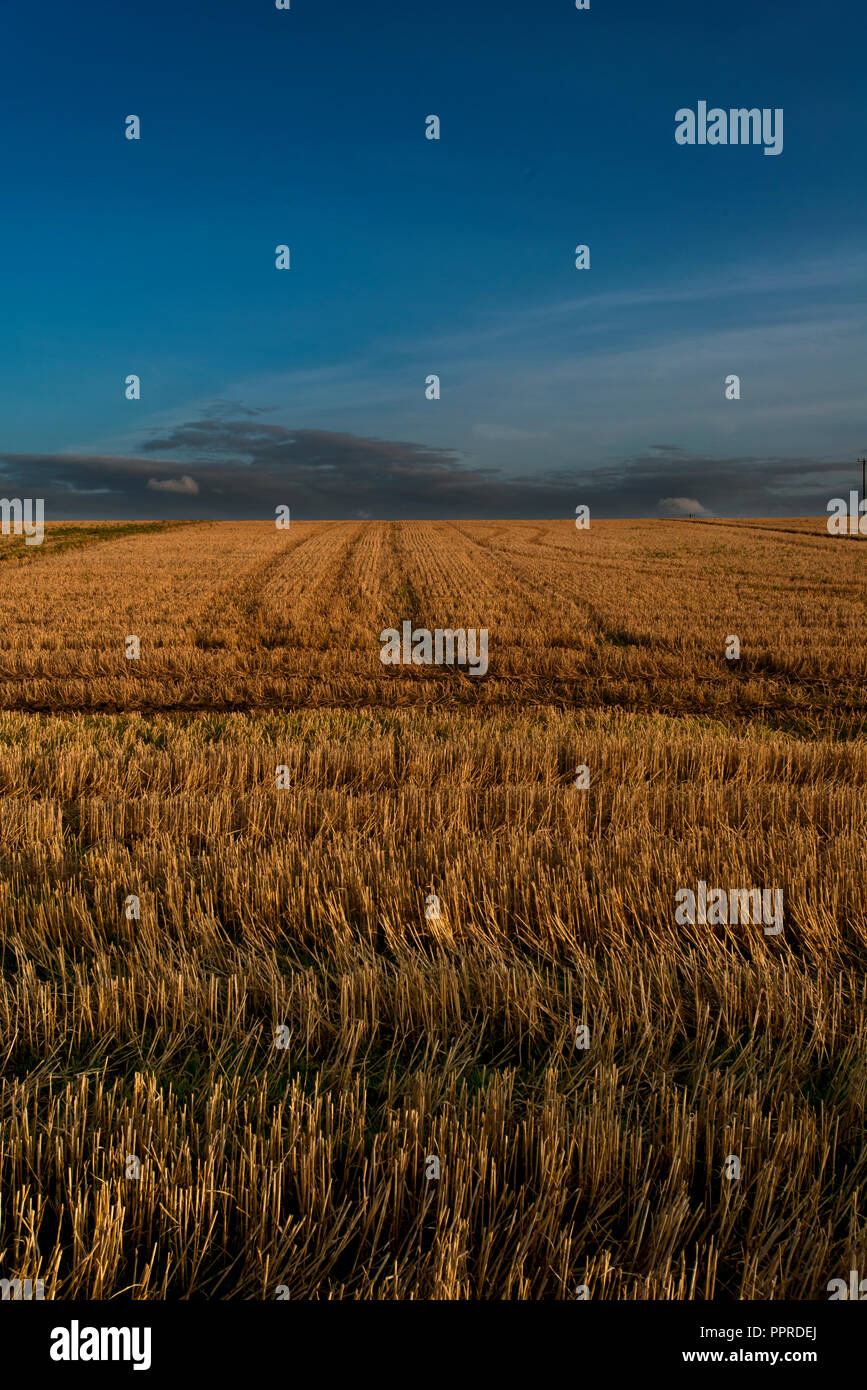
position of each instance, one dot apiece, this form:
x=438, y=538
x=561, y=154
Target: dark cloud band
x=224, y=467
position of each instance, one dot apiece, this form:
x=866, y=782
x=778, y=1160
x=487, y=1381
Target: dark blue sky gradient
x=412, y=257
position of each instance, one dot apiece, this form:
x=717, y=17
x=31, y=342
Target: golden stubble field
x=301, y=908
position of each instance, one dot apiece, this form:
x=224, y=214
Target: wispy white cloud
x=582, y=377
x=185, y=485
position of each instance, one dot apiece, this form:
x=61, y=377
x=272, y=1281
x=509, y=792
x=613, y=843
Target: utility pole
x=863, y=463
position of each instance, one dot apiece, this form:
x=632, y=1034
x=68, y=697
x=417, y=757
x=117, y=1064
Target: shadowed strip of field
x=60, y=538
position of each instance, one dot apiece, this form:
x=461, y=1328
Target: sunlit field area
x=325, y=978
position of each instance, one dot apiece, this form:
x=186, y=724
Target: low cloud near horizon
x=682, y=506
x=221, y=467
x=186, y=484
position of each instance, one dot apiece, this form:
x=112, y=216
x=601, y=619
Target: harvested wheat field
x=336, y=979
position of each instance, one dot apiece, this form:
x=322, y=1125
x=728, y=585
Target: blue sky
x=411, y=257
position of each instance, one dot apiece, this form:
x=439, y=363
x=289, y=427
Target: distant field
x=629, y=614
x=408, y=1037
